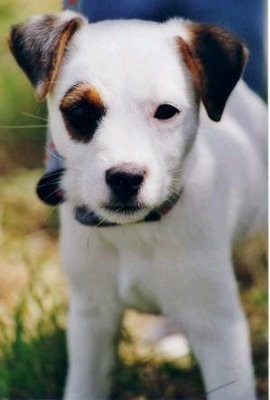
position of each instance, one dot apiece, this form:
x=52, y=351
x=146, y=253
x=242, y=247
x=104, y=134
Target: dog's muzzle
x=125, y=188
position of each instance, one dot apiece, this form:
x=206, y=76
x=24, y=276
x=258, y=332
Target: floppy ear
x=39, y=45
x=216, y=59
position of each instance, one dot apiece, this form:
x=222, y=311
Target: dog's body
x=214, y=174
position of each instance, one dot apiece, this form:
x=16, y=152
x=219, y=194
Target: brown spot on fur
x=82, y=110
x=216, y=59
x=192, y=65
x=81, y=91
x=60, y=47
x=39, y=45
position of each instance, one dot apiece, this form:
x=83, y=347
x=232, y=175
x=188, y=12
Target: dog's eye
x=81, y=116
x=165, y=111
x=82, y=119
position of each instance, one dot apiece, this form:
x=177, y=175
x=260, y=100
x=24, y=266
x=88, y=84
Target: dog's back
x=229, y=163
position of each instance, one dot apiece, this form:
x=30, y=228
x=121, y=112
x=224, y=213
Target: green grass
x=33, y=360
x=33, y=300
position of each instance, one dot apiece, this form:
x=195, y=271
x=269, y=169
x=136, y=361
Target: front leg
x=92, y=334
x=95, y=311
x=223, y=351
x=208, y=310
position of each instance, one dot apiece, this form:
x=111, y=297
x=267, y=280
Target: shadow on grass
x=146, y=379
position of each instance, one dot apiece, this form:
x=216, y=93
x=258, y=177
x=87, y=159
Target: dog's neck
x=49, y=192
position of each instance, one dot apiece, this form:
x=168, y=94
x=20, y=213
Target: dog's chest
x=136, y=282
x=137, y=269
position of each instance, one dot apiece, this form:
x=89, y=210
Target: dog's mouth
x=120, y=214
x=124, y=213
x=110, y=214
x=122, y=209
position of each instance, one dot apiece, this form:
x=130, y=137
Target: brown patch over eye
x=82, y=110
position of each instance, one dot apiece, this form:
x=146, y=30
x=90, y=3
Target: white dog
x=156, y=190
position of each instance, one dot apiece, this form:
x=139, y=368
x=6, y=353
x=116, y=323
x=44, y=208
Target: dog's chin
x=123, y=214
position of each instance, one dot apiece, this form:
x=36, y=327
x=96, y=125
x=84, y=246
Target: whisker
x=51, y=153
x=56, y=172
x=88, y=243
x=102, y=220
x=34, y=116
x=52, y=211
x=50, y=183
x=51, y=194
x=22, y=126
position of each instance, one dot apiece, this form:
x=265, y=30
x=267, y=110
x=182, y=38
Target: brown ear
x=216, y=60
x=39, y=45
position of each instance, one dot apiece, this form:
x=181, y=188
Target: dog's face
x=123, y=115
x=123, y=100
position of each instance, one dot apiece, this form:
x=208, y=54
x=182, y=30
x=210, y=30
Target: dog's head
x=123, y=100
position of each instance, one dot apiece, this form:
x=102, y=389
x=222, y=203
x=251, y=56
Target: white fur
x=181, y=266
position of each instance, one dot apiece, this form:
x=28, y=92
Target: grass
x=33, y=360
x=33, y=298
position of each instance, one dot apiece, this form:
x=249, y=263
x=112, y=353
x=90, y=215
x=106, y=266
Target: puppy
x=156, y=191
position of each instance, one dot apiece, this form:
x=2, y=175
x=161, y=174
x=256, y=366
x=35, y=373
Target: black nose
x=125, y=181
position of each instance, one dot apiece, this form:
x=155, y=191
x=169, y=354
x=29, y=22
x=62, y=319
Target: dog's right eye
x=82, y=119
x=166, y=111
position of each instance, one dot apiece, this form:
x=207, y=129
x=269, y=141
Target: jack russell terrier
x=155, y=191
